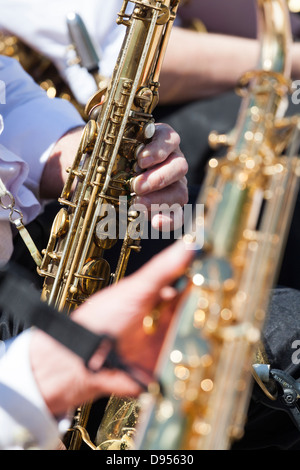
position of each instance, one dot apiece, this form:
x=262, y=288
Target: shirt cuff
x=26, y=421
x=58, y=118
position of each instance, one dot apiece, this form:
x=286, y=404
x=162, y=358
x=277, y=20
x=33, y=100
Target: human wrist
x=54, y=368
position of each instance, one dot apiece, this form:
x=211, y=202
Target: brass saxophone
x=98, y=184
x=205, y=367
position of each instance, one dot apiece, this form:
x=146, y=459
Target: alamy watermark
x=296, y=92
x=2, y=92
x=2, y=101
x=296, y=353
x=133, y=220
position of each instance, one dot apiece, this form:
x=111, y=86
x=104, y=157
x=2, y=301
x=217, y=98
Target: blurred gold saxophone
x=98, y=185
x=205, y=366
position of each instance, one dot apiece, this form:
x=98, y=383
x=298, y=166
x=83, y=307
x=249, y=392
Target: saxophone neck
x=265, y=90
x=274, y=32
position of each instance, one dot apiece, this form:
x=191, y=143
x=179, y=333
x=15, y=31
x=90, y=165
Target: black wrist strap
x=20, y=299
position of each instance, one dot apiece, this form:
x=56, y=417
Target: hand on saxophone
x=119, y=310
x=161, y=180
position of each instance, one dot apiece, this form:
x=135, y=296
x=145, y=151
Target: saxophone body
x=120, y=121
x=205, y=366
x=97, y=213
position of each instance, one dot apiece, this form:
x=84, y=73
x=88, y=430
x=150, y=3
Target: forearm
x=206, y=64
x=62, y=155
x=295, y=56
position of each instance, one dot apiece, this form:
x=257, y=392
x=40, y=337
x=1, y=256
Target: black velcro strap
x=20, y=299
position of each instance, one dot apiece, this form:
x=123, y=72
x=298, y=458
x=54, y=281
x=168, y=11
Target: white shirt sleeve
x=30, y=125
x=13, y=172
x=32, y=121
x=25, y=421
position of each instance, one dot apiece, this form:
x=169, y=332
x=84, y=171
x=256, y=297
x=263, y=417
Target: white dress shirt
x=43, y=26
x=30, y=123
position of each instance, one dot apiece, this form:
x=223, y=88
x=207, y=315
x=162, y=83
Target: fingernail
x=191, y=244
x=140, y=185
x=145, y=160
x=139, y=150
x=136, y=168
